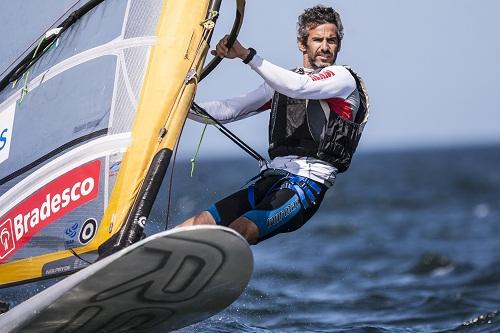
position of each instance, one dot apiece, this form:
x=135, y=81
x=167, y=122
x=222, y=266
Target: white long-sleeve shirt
x=333, y=84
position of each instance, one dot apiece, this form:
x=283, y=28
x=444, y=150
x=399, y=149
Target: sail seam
x=125, y=20
x=126, y=79
x=112, y=48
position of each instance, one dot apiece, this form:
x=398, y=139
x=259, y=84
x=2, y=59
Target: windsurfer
x=318, y=112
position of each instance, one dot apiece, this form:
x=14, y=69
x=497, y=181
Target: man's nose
x=324, y=45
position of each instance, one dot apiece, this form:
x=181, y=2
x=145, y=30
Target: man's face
x=322, y=46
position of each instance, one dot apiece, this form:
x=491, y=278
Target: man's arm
x=338, y=83
x=331, y=82
x=237, y=108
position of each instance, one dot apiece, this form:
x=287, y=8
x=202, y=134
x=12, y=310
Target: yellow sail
x=175, y=62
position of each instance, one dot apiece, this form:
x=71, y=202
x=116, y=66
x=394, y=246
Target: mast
x=169, y=133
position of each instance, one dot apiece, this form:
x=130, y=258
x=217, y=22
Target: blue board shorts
x=276, y=203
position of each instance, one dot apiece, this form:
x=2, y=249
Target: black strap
x=250, y=55
x=240, y=143
x=238, y=21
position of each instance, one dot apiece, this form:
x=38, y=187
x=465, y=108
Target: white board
x=164, y=282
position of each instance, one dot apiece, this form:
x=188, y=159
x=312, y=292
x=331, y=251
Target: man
x=317, y=115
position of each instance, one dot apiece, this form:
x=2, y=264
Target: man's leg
x=278, y=211
x=242, y=225
x=224, y=212
x=228, y=212
x=247, y=229
x=275, y=212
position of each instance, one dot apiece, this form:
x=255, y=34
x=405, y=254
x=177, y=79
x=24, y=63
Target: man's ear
x=301, y=46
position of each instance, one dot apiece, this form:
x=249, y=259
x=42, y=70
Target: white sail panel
x=66, y=134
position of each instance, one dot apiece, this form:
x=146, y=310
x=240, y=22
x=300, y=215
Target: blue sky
x=431, y=67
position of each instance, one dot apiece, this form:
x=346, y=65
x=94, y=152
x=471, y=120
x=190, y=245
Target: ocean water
x=404, y=242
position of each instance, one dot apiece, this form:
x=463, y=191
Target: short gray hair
x=317, y=15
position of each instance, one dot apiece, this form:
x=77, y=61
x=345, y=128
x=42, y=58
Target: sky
x=431, y=67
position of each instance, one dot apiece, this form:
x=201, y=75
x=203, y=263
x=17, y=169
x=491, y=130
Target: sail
x=87, y=126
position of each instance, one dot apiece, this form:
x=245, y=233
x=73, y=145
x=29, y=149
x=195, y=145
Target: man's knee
x=247, y=229
x=202, y=218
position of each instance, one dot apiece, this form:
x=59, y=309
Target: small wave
x=218, y=325
x=485, y=323
x=335, y=231
x=488, y=277
x=471, y=185
x=375, y=300
x=280, y=273
x=366, y=329
x=433, y=263
x=482, y=319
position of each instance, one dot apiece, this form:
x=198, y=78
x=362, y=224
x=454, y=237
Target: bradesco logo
x=7, y=243
x=6, y=126
x=47, y=205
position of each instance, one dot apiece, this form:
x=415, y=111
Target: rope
x=33, y=43
x=195, y=156
x=170, y=186
x=24, y=89
x=78, y=256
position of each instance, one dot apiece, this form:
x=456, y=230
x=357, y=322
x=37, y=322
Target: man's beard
x=317, y=64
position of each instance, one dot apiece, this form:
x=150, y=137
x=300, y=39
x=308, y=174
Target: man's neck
x=308, y=66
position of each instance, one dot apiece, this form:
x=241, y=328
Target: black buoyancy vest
x=301, y=127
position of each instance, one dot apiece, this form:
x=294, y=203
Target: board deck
x=164, y=282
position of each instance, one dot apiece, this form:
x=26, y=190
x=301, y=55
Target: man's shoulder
x=338, y=71
x=344, y=69
x=355, y=76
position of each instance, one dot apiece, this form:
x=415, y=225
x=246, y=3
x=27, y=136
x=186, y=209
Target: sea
x=405, y=241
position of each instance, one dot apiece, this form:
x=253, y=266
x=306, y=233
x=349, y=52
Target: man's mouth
x=325, y=56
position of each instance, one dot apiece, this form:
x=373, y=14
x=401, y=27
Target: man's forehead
x=323, y=29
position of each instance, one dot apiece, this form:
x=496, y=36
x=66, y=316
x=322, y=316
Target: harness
x=307, y=128
x=306, y=189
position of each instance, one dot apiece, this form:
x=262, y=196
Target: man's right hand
x=236, y=51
